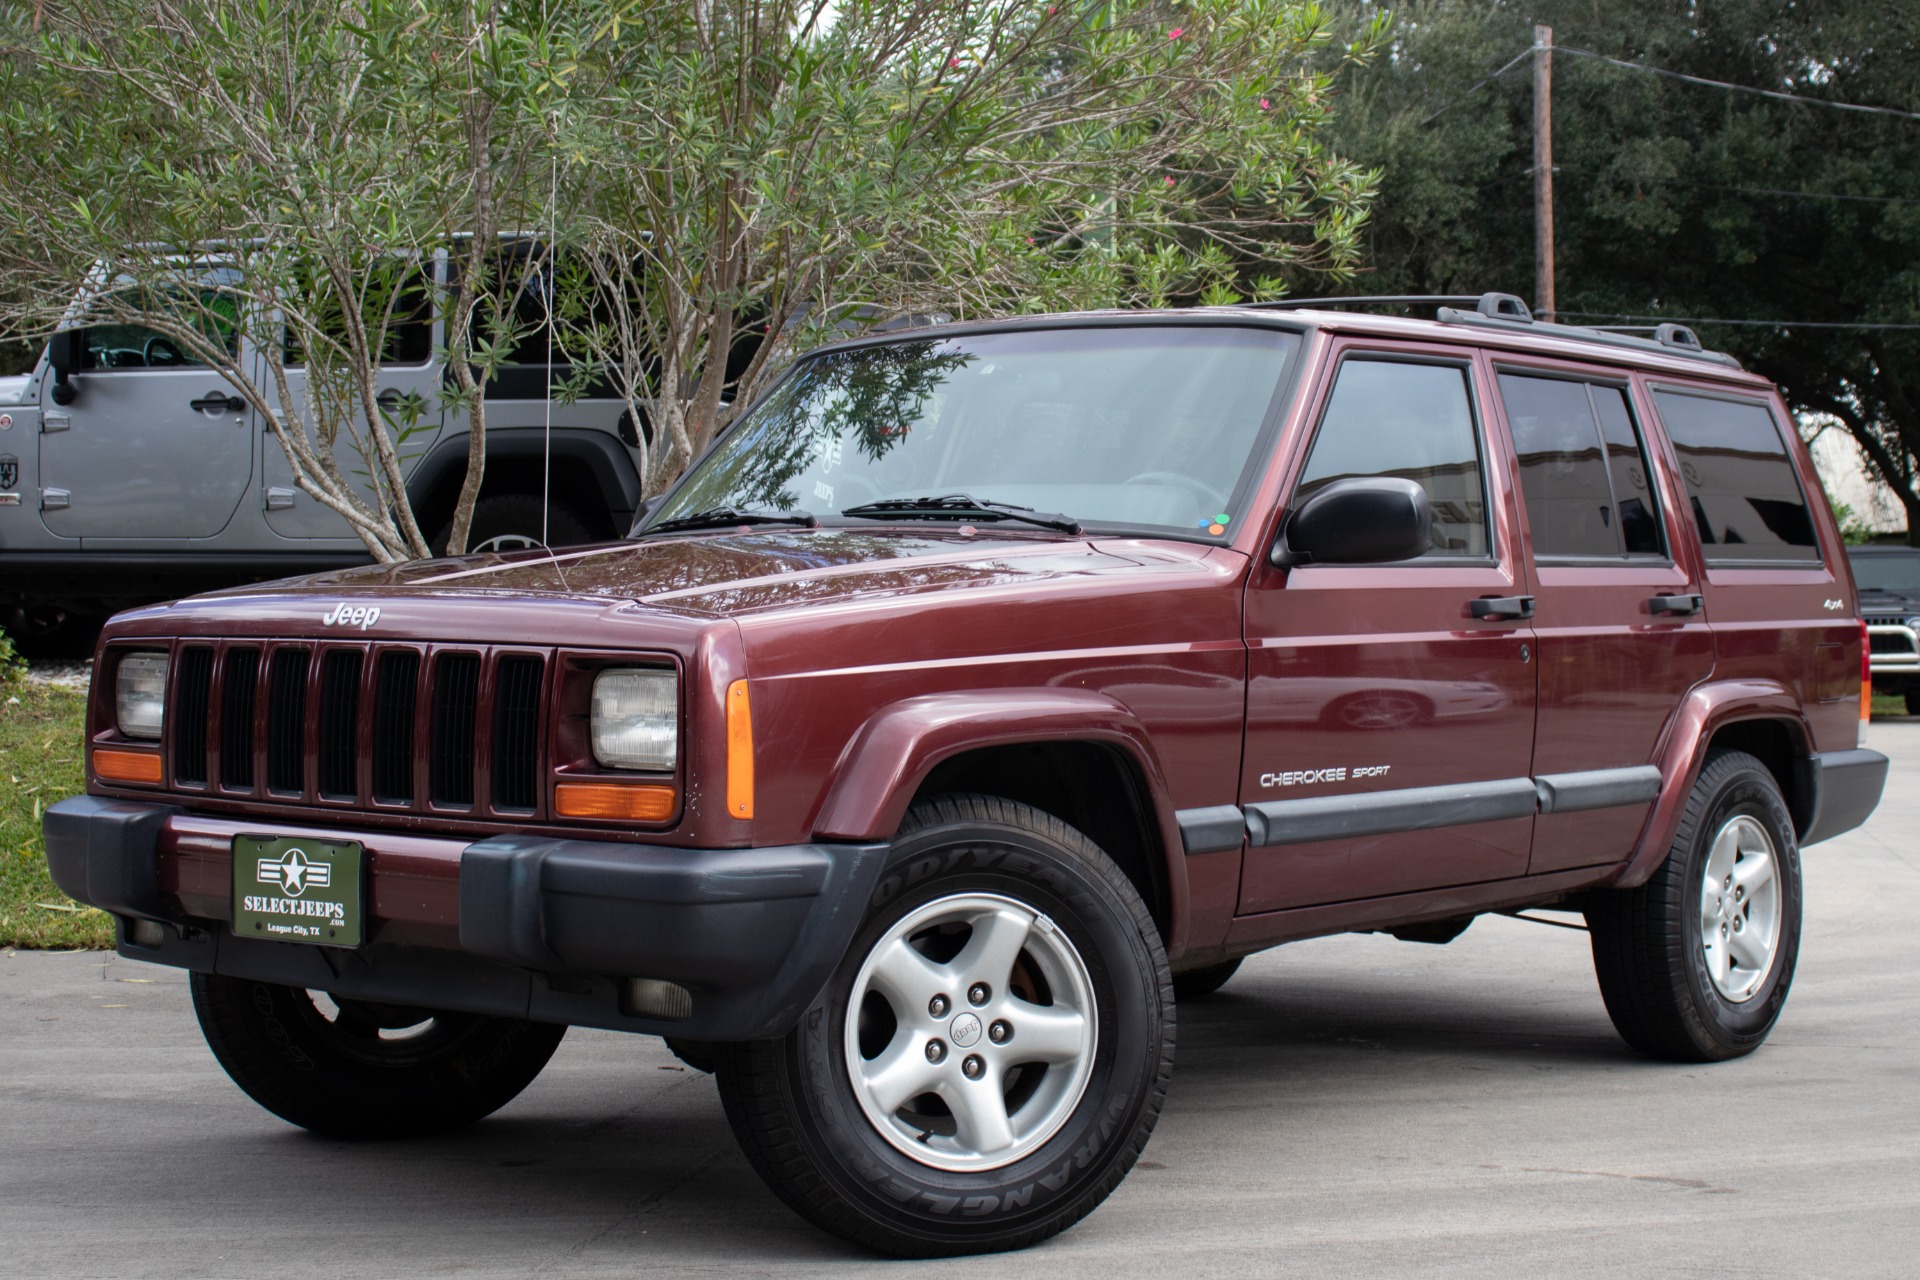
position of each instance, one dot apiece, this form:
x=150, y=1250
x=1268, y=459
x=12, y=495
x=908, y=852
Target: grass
x=1888, y=704
x=40, y=748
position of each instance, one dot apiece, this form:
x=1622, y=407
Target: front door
x=156, y=446
x=1390, y=707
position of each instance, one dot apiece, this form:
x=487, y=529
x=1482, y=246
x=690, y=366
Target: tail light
x=1866, y=683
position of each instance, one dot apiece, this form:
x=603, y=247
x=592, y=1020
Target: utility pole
x=1543, y=172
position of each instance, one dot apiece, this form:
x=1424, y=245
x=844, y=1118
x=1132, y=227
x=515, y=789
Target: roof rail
x=1506, y=311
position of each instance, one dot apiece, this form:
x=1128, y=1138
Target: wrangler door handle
x=214, y=401
x=1501, y=607
x=1676, y=604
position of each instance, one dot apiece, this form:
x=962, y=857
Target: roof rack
x=1505, y=311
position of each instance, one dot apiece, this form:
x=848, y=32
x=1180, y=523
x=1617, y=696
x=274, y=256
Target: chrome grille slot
x=192, y=699
x=396, y=690
x=238, y=688
x=456, y=701
x=516, y=732
x=340, y=724
x=287, y=720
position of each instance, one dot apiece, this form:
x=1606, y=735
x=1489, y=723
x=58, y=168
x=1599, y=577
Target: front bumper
x=1893, y=654
x=557, y=930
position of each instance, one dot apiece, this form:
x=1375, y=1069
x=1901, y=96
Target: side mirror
x=64, y=351
x=1370, y=520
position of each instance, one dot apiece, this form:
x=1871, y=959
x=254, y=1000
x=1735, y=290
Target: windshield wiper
x=724, y=517
x=953, y=505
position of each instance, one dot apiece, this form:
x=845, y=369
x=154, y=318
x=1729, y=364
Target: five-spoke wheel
x=990, y=1058
x=975, y=1032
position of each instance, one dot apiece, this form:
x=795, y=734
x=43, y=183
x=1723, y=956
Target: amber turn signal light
x=628, y=801
x=127, y=766
x=739, y=751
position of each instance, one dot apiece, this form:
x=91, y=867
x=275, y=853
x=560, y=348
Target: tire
x=1073, y=966
x=1671, y=994
x=511, y=522
x=1196, y=984
x=1913, y=704
x=338, y=1074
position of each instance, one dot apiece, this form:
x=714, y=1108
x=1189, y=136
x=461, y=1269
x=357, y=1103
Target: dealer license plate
x=292, y=889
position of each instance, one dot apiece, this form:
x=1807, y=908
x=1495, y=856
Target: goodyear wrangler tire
x=354, y=1069
x=1695, y=964
x=990, y=1058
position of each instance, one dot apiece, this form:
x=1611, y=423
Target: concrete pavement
x=1346, y=1106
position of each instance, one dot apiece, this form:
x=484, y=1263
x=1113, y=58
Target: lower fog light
x=654, y=998
x=146, y=933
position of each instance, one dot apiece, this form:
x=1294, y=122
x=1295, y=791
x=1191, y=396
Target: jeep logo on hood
x=359, y=616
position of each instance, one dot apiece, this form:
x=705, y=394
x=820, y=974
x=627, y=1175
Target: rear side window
x=1743, y=493
x=1413, y=421
x=1582, y=471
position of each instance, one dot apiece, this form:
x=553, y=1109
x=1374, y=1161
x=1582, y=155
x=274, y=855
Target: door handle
x=1501, y=607
x=1676, y=604
x=388, y=399
x=214, y=401
x=55, y=499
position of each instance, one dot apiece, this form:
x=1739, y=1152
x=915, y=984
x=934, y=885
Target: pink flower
x=953, y=62
x=1169, y=179
x=1176, y=33
x=1265, y=105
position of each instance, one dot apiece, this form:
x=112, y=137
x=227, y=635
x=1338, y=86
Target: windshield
x=1134, y=426
x=1896, y=571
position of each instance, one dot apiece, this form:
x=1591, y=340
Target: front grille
x=340, y=725
x=1892, y=642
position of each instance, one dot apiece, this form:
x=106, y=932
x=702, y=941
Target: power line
x=1754, y=324
x=1806, y=195
x=1481, y=84
x=1779, y=94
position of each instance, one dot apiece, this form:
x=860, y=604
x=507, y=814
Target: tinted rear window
x=1742, y=490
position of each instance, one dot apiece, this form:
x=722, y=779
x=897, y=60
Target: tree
x=1675, y=200
x=684, y=194
x=268, y=188
x=742, y=180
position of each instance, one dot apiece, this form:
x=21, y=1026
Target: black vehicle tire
x=339, y=1075
x=974, y=884
x=1196, y=984
x=511, y=522
x=1671, y=994
x=1913, y=703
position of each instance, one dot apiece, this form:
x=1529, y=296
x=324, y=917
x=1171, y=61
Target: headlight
x=140, y=694
x=636, y=719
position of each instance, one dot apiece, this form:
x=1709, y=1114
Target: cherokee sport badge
x=298, y=890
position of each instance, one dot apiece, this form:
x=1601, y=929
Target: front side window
x=1415, y=422
x=114, y=346
x=1135, y=426
x=1583, y=474
x=1741, y=487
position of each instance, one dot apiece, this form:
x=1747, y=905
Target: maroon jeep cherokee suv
x=981, y=690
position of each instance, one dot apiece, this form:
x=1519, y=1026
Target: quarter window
x=1415, y=422
x=1741, y=487
x=1583, y=473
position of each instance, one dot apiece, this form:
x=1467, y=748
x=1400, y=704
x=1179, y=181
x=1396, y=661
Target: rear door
x=1389, y=718
x=1621, y=630
x=407, y=393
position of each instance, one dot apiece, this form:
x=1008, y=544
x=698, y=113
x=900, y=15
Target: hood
x=1876, y=604
x=731, y=574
